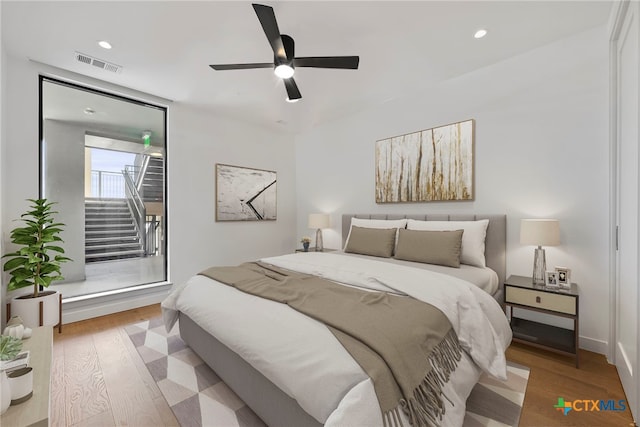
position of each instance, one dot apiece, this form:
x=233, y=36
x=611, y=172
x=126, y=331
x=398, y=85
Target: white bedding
x=305, y=360
x=483, y=277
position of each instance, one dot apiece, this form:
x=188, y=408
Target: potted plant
x=305, y=243
x=36, y=264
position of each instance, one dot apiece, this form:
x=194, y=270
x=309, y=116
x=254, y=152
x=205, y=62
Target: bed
x=289, y=381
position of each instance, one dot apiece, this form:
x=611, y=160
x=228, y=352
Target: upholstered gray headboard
x=495, y=242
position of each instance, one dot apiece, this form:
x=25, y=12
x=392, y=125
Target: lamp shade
x=318, y=220
x=540, y=232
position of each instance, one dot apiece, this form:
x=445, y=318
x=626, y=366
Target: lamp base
x=319, y=245
x=539, y=266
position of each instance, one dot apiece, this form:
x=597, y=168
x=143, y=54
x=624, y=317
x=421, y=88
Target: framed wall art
x=430, y=165
x=245, y=194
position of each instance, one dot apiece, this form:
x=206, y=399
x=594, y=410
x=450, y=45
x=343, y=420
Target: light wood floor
x=98, y=380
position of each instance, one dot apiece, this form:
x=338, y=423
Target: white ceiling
x=112, y=117
x=165, y=47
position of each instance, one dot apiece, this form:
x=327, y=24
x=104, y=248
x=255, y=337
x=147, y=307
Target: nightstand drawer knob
x=538, y=299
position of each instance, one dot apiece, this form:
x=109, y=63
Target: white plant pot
x=29, y=309
x=5, y=392
x=21, y=384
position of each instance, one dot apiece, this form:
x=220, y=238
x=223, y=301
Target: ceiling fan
x=284, y=60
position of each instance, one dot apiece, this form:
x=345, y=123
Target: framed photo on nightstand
x=551, y=279
x=564, y=277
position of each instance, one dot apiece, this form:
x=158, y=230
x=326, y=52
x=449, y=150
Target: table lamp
x=539, y=232
x=318, y=221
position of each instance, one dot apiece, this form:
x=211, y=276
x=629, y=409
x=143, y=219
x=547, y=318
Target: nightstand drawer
x=543, y=300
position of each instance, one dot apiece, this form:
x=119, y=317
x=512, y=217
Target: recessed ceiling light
x=90, y=111
x=104, y=44
x=480, y=33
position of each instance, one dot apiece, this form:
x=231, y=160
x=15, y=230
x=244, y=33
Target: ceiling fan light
x=284, y=71
x=480, y=33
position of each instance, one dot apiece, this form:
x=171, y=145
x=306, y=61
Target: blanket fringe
x=392, y=418
x=426, y=406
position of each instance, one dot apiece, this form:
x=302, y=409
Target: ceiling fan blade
x=270, y=26
x=344, y=62
x=292, y=89
x=221, y=67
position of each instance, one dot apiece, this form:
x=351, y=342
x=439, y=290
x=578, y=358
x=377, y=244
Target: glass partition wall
x=103, y=161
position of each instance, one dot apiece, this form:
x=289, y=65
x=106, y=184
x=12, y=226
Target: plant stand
x=41, y=313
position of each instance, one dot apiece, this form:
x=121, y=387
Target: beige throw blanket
x=407, y=347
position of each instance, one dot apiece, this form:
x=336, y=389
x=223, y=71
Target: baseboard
x=594, y=345
x=75, y=311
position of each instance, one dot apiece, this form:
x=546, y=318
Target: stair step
x=105, y=202
x=114, y=208
x=108, y=208
x=110, y=232
x=111, y=239
x=113, y=255
x=102, y=213
x=107, y=227
x=93, y=224
x=107, y=220
x=118, y=247
x=109, y=217
x=136, y=251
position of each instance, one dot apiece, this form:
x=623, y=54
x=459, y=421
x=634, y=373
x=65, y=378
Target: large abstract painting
x=245, y=194
x=430, y=165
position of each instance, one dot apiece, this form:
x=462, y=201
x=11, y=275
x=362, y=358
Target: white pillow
x=472, y=238
x=376, y=223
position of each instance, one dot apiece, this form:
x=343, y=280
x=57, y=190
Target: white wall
x=64, y=184
x=3, y=290
x=541, y=151
x=19, y=147
x=197, y=140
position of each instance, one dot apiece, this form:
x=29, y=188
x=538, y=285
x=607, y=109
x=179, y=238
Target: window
x=103, y=161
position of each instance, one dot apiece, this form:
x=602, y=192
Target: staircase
x=152, y=188
x=110, y=231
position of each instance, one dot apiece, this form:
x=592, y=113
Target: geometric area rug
x=498, y=403
x=198, y=397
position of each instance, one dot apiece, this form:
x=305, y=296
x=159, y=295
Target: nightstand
x=521, y=293
x=314, y=250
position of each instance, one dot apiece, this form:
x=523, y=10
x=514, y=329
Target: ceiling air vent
x=99, y=63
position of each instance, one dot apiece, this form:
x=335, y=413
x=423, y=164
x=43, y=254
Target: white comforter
x=303, y=358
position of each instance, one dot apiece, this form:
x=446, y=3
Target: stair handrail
x=143, y=171
x=136, y=205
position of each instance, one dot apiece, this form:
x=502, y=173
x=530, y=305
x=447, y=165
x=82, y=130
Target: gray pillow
x=431, y=247
x=371, y=241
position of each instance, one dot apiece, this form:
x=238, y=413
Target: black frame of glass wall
x=41, y=152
